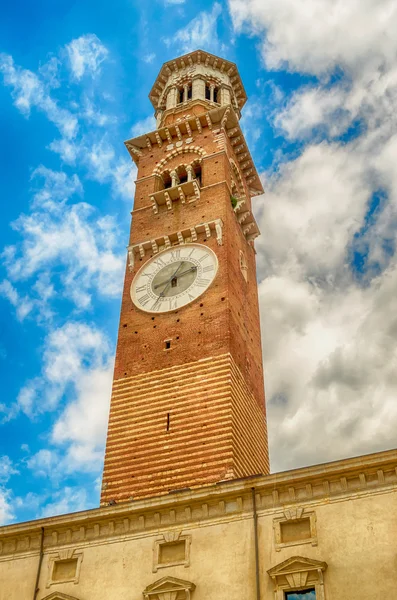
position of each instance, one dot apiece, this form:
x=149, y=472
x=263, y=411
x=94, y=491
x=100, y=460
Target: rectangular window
x=292, y=531
x=64, y=570
x=302, y=595
x=172, y=553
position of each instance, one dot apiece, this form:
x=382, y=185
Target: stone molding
x=169, y=588
x=292, y=516
x=218, y=120
x=170, y=537
x=297, y=573
x=229, y=500
x=59, y=596
x=185, y=236
x=62, y=555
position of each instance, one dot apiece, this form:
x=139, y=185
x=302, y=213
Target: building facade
x=188, y=507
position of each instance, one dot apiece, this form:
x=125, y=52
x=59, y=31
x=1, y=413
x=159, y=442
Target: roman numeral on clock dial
x=143, y=300
x=202, y=282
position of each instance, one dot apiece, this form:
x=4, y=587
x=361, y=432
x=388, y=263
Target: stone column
x=190, y=173
x=212, y=89
x=171, y=98
x=174, y=178
x=198, y=89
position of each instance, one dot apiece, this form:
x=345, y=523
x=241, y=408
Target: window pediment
x=296, y=564
x=296, y=573
x=169, y=588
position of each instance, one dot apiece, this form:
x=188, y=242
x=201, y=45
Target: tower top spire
x=198, y=79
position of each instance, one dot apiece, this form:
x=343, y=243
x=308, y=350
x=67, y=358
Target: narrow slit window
x=167, y=344
x=168, y=421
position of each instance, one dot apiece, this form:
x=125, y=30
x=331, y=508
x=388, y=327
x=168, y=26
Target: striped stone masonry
x=186, y=426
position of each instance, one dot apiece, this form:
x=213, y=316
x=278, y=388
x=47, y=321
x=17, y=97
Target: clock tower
x=188, y=407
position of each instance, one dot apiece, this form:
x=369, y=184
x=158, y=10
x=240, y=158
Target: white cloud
x=86, y=54
x=77, y=365
x=328, y=320
x=145, y=125
x=22, y=305
x=6, y=505
x=200, y=32
x=28, y=91
x=6, y=469
x=65, y=501
x=316, y=36
x=149, y=58
x=6, y=508
x=70, y=351
x=67, y=241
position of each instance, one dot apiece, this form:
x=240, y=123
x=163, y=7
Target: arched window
x=184, y=93
x=182, y=174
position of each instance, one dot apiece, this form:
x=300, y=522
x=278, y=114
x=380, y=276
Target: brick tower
x=188, y=405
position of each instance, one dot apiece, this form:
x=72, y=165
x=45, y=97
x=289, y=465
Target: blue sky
x=321, y=125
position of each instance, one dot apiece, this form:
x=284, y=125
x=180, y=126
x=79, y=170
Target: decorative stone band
x=216, y=120
x=246, y=220
x=185, y=236
x=184, y=192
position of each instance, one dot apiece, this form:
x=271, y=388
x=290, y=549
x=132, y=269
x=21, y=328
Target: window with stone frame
x=294, y=528
x=64, y=566
x=299, y=578
x=170, y=550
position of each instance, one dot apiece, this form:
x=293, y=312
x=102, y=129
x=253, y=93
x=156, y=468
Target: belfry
x=189, y=509
x=188, y=405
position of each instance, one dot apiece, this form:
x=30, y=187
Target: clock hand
x=180, y=275
x=168, y=284
x=171, y=278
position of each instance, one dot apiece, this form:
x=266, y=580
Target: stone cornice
x=229, y=500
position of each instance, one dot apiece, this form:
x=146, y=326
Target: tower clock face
x=174, y=278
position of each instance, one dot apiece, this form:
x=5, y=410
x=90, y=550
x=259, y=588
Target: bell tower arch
x=188, y=406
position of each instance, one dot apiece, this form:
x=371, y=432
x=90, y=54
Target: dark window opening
x=167, y=180
x=197, y=172
x=168, y=421
x=180, y=95
x=207, y=92
x=182, y=174
x=189, y=92
x=301, y=595
x=217, y=95
x=167, y=344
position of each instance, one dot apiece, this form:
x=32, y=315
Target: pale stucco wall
x=356, y=537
